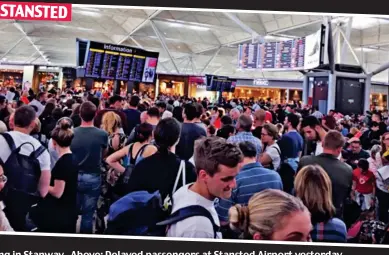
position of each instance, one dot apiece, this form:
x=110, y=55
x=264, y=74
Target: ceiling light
x=89, y=13
x=176, y=25
x=199, y=28
x=277, y=38
x=365, y=49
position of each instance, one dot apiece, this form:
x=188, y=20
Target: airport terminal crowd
x=94, y=163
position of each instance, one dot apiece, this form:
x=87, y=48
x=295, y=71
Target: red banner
x=35, y=11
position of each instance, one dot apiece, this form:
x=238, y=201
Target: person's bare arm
x=113, y=159
x=44, y=183
x=58, y=188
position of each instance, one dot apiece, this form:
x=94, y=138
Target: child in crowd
x=363, y=189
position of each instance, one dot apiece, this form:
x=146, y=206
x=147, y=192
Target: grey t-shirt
x=87, y=146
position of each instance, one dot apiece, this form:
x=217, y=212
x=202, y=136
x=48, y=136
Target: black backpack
x=121, y=185
x=23, y=171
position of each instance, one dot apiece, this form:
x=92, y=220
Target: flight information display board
x=116, y=62
x=297, y=54
x=220, y=83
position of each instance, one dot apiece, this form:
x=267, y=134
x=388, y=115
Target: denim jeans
x=89, y=188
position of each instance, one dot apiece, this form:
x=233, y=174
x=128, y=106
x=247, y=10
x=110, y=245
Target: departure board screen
x=117, y=62
x=296, y=54
x=124, y=65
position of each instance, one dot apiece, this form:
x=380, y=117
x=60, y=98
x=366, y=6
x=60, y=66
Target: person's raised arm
x=113, y=159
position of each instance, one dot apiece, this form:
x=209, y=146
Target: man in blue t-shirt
x=291, y=143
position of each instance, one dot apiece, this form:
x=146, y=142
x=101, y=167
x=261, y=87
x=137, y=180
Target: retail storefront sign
x=36, y=11
x=261, y=82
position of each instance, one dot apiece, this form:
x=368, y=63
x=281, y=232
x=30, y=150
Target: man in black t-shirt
x=190, y=132
x=356, y=152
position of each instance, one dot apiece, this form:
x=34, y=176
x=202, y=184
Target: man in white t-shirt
x=24, y=123
x=217, y=164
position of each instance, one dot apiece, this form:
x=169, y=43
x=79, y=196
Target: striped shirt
x=251, y=179
x=246, y=136
x=333, y=230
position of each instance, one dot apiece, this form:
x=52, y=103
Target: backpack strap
x=38, y=152
x=8, y=138
x=140, y=151
x=187, y=212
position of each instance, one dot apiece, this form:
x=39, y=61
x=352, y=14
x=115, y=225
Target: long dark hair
x=49, y=108
x=166, y=134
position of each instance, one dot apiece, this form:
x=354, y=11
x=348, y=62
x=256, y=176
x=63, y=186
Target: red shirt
x=268, y=117
x=364, y=181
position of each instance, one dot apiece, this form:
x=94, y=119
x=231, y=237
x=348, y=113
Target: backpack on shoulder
x=23, y=171
x=287, y=172
x=120, y=186
x=142, y=213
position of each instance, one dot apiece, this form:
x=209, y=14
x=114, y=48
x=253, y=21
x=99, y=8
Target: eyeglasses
x=3, y=178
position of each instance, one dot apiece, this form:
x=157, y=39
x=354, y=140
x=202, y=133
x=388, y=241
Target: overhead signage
x=297, y=54
x=260, y=82
x=36, y=11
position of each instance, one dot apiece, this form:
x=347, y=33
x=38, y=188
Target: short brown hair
x=333, y=140
x=260, y=115
x=210, y=152
x=271, y=130
x=87, y=111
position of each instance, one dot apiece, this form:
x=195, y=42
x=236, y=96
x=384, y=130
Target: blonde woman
x=112, y=124
x=272, y=215
x=313, y=186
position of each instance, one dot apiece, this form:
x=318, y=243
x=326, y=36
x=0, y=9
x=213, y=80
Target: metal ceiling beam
x=194, y=68
x=282, y=30
x=348, y=33
x=13, y=47
x=20, y=28
x=136, y=42
x=217, y=70
x=149, y=18
x=352, y=50
x=210, y=61
x=174, y=40
x=241, y=24
x=163, y=43
x=197, y=24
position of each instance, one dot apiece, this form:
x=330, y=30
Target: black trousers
x=383, y=205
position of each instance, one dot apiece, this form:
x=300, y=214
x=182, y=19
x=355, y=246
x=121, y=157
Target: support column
x=116, y=87
x=305, y=90
x=89, y=84
x=156, y=88
x=287, y=92
x=367, y=89
x=60, y=78
x=28, y=75
x=130, y=87
x=331, y=92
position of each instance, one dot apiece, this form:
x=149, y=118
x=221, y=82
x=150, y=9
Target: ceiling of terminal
x=189, y=42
